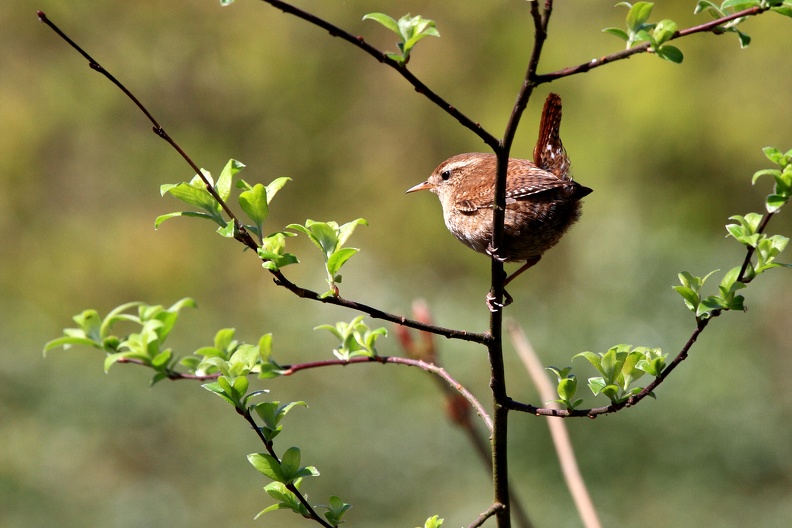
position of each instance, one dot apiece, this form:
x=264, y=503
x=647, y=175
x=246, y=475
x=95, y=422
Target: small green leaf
x=670, y=53
x=346, y=230
x=664, y=30
x=275, y=186
x=617, y=32
x=433, y=522
x=268, y=466
x=338, y=258
x=224, y=182
x=385, y=20
x=712, y=8
x=194, y=214
x=255, y=204
x=638, y=15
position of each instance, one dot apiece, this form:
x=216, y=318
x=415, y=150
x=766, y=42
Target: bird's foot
x=495, y=306
x=494, y=253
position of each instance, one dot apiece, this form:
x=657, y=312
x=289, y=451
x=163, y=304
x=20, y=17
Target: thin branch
x=701, y=324
x=558, y=431
x=240, y=232
x=712, y=26
x=288, y=370
x=419, y=86
x=376, y=313
x=244, y=237
x=615, y=407
x=291, y=487
x=423, y=365
x=492, y=510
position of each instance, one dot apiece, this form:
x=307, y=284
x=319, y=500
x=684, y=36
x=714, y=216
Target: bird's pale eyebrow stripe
x=458, y=164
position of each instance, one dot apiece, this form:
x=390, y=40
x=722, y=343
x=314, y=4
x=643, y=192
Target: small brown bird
x=542, y=200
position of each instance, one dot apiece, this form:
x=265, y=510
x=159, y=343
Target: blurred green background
x=668, y=149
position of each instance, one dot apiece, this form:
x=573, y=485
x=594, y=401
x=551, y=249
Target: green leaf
x=638, y=15
x=739, y=5
x=560, y=373
x=664, y=30
x=218, y=389
x=275, y=186
x=194, y=214
x=433, y=522
x=338, y=258
x=745, y=40
x=273, y=252
x=594, y=359
x=68, y=342
x=670, y=53
x=567, y=388
x=224, y=182
x=268, y=466
x=712, y=8
x=346, y=230
x=254, y=203
x=385, y=20
x=192, y=193
x=617, y=32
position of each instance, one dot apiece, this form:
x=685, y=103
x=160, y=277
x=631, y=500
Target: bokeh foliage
x=668, y=148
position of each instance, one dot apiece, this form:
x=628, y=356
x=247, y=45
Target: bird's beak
x=420, y=187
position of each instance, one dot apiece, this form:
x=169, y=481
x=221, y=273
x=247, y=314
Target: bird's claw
x=493, y=252
x=495, y=306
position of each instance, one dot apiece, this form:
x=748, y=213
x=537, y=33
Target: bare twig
x=558, y=431
x=419, y=86
x=423, y=365
x=376, y=313
x=240, y=232
x=492, y=510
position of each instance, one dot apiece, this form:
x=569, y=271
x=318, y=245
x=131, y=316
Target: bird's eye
x=445, y=174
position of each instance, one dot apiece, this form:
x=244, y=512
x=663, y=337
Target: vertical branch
x=500, y=469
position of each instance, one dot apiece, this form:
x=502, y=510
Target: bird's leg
x=529, y=263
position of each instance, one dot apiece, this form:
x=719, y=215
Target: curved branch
x=288, y=370
x=419, y=86
x=642, y=48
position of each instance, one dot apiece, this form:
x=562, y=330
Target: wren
x=542, y=200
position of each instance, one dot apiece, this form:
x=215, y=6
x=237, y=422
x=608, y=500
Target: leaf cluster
x=254, y=201
x=619, y=367
x=144, y=346
x=409, y=30
x=356, y=338
x=639, y=30
x=729, y=7
x=330, y=238
x=748, y=230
